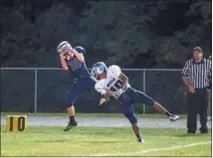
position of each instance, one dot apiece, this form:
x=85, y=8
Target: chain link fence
x=45, y=90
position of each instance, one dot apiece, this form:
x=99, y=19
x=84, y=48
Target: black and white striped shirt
x=199, y=74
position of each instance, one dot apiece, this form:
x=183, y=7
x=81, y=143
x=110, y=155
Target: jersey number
x=74, y=64
x=117, y=85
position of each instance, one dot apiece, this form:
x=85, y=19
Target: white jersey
x=112, y=84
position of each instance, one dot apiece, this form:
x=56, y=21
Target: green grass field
x=151, y=116
x=89, y=141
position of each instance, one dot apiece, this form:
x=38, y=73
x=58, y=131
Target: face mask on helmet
x=94, y=73
x=98, y=69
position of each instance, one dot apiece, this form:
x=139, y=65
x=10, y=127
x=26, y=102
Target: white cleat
x=174, y=118
x=209, y=118
x=141, y=141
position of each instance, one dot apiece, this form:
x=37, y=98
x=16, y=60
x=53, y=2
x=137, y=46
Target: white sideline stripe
x=152, y=150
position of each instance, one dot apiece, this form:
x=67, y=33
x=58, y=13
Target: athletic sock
x=168, y=114
x=72, y=119
x=138, y=136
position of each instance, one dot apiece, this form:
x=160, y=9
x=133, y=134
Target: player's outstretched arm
x=63, y=63
x=104, y=98
x=99, y=87
x=79, y=56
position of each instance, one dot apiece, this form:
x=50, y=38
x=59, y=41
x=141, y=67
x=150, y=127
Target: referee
x=196, y=76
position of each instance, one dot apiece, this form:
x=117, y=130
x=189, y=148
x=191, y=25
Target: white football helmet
x=64, y=46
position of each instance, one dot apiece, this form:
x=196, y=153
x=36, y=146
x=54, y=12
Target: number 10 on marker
x=16, y=123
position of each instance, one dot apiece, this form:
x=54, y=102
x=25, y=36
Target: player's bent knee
x=69, y=105
x=151, y=102
x=71, y=99
x=70, y=102
x=131, y=117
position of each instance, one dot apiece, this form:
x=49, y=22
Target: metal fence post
x=35, y=90
x=144, y=89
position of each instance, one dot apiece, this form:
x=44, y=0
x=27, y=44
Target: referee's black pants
x=197, y=102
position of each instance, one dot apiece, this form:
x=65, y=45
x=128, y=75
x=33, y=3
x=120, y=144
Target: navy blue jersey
x=79, y=70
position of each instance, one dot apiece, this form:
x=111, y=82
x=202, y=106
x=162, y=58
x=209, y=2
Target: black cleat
x=70, y=125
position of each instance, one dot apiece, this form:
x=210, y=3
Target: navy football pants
x=130, y=97
x=79, y=86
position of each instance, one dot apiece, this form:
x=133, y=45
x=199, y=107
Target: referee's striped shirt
x=199, y=74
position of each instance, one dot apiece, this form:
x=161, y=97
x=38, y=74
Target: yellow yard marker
x=16, y=123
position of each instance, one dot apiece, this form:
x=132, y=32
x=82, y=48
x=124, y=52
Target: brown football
x=68, y=56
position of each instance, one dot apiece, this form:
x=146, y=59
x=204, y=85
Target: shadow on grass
x=33, y=132
x=79, y=142
x=60, y=132
x=193, y=135
x=50, y=141
x=79, y=130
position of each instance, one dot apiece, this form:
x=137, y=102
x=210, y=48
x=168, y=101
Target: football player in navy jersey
x=72, y=59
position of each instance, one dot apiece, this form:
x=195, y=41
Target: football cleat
x=141, y=141
x=70, y=126
x=174, y=118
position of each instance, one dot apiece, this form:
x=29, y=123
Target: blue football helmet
x=80, y=49
x=98, y=68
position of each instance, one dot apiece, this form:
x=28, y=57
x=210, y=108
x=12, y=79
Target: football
x=68, y=56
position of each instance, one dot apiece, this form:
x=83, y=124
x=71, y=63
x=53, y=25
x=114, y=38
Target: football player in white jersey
x=112, y=82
